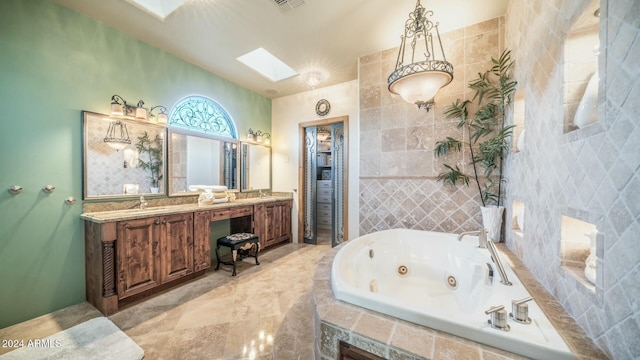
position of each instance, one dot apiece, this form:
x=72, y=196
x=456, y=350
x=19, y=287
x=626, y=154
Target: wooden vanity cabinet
x=273, y=222
x=153, y=251
x=127, y=260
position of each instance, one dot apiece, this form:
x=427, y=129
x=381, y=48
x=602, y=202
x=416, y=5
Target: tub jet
x=452, y=282
x=403, y=270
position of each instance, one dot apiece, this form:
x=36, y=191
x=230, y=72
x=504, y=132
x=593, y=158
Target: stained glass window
x=199, y=113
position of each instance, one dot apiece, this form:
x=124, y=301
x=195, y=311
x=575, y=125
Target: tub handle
x=520, y=310
x=498, y=318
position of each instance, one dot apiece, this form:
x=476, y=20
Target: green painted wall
x=55, y=62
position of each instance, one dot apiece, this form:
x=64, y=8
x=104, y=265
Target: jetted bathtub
x=432, y=279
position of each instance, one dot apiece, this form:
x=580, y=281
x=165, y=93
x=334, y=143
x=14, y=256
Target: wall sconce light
x=250, y=135
x=117, y=104
x=161, y=117
x=117, y=135
x=267, y=138
x=120, y=109
x=417, y=81
x=141, y=112
x=258, y=136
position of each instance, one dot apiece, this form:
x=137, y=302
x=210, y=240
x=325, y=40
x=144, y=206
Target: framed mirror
x=256, y=167
x=200, y=159
x=122, y=158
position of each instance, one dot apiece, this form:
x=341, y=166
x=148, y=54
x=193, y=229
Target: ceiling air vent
x=287, y=5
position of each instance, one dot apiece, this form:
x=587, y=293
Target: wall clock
x=323, y=107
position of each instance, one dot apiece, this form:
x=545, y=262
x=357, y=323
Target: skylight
x=159, y=8
x=267, y=65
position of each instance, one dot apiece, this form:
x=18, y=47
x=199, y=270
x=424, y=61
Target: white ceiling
x=321, y=35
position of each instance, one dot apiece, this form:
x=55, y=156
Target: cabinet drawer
x=324, y=213
x=323, y=207
x=324, y=192
x=324, y=199
x=323, y=222
x=323, y=183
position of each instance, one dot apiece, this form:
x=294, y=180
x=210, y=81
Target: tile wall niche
x=591, y=175
x=398, y=186
x=581, y=53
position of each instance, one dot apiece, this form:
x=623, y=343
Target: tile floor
x=263, y=313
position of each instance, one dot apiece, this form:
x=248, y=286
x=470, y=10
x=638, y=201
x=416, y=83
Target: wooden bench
x=240, y=245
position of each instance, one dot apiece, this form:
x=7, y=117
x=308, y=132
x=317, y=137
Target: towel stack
x=211, y=194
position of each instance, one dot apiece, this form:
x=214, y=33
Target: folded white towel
x=216, y=188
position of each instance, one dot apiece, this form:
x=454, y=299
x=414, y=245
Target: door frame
x=301, y=187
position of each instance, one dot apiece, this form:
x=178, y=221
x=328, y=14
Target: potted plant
x=488, y=138
x=153, y=150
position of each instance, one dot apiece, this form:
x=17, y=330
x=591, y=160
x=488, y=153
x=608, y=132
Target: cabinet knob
x=164, y=221
x=157, y=222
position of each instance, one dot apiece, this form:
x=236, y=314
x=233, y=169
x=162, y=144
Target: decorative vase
x=492, y=221
x=587, y=112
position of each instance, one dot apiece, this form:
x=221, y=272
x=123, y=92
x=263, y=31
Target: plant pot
x=492, y=221
x=155, y=190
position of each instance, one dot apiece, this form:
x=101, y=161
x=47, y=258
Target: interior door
x=337, y=179
x=310, y=176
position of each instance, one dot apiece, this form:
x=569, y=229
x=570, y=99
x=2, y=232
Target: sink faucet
x=143, y=203
x=484, y=242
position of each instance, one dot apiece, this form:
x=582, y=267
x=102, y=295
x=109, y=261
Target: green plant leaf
x=443, y=147
x=453, y=176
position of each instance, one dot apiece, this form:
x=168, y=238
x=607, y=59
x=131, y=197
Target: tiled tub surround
x=590, y=174
x=398, y=170
x=432, y=279
x=392, y=338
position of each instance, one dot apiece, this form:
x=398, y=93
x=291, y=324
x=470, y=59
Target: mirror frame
x=186, y=132
x=244, y=166
x=88, y=116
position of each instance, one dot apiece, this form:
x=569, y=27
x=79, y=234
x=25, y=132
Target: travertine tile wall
x=398, y=187
x=591, y=174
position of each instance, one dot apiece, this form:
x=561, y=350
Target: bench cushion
x=235, y=239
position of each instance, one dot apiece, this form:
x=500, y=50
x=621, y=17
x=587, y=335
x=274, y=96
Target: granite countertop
x=135, y=213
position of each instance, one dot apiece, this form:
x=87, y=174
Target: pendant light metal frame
x=418, y=28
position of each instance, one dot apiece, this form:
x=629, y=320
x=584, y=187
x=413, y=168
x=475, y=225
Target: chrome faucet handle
x=498, y=318
x=143, y=202
x=520, y=310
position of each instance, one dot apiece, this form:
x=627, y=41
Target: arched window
x=199, y=113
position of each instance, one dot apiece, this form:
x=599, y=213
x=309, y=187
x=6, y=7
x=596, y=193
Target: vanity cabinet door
x=201, y=244
x=138, y=256
x=273, y=222
x=176, y=241
x=263, y=213
x=283, y=218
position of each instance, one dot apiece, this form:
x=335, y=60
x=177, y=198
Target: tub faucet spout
x=482, y=236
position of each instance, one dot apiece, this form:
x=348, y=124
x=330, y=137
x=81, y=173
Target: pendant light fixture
x=422, y=69
x=117, y=135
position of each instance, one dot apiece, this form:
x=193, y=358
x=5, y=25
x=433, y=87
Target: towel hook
x=15, y=189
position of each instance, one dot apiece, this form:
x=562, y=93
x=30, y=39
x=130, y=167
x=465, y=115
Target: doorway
x=322, y=180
